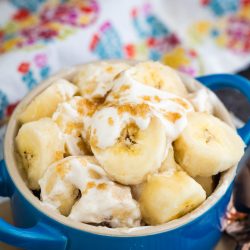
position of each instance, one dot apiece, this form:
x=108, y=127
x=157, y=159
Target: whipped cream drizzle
x=96, y=79
x=132, y=101
x=65, y=88
x=203, y=100
x=69, y=117
x=101, y=200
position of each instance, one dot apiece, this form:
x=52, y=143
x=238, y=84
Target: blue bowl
x=37, y=228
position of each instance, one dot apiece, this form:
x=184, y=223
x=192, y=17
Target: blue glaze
x=41, y=232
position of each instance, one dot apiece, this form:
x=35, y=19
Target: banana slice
x=39, y=143
x=79, y=188
x=168, y=197
x=169, y=164
x=207, y=183
x=159, y=76
x=168, y=167
x=96, y=79
x=135, y=153
x=207, y=146
x=69, y=116
x=46, y=103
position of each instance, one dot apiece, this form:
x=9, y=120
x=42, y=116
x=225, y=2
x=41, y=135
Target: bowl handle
x=40, y=236
x=219, y=81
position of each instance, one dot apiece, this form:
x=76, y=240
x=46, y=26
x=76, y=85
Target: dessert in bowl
x=124, y=149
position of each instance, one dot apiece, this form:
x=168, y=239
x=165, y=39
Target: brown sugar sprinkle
x=124, y=87
x=117, y=76
x=146, y=98
x=172, y=116
x=180, y=101
x=157, y=98
x=81, y=145
x=115, y=95
x=62, y=170
x=90, y=185
x=93, y=174
x=73, y=126
x=85, y=106
x=58, y=155
x=102, y=186
x=136, y=110
x=110, y=121
x=109, y=69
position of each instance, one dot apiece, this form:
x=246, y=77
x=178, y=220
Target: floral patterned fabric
x=39, y=37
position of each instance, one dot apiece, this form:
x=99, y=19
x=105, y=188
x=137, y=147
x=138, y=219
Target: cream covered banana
x=39, y=143
x=46, y=103
x=101, y=200
x=96, y=79
x=69, y=117
x=166, y=197
x=130, y=134
x=207, y=146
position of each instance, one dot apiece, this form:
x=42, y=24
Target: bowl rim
x=14, y=171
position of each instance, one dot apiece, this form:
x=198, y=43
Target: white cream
x=106, y=133
x=132, y=92
x=202, y=100
x=100, y=76
x=71, y=123
x=101, y=200
x=65, y=88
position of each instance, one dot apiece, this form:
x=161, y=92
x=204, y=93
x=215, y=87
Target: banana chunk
x=136, y=153
x=69, y=116
x=100, y=199
x=159, y=76
x=39, y=143
x=168, y=197
x=45, y=104
x=168, y=167
x=96, y=79
x=207, y=146
x=169, y=164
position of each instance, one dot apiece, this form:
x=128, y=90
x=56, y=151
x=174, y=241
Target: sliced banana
x=96, y=79
x=46, y=103
x=168, y=167
x=69, y=116
x=136, y=153
x=39, y=143
x=159, y=76
x=207, y=183
x=169, y=164
x=207, y=146
x=168, y=197
x=100, y=199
